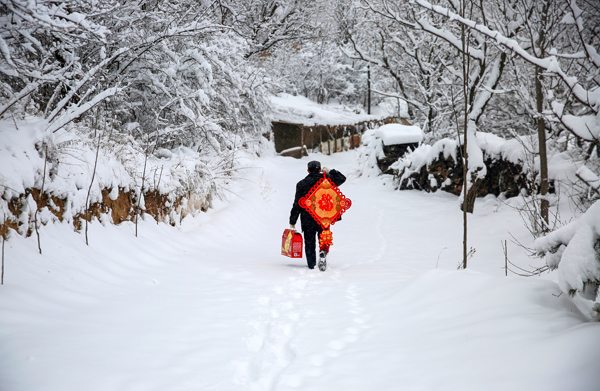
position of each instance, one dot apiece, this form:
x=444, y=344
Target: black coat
x=302, y=189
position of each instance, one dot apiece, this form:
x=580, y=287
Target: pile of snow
x=301, y=110
x=394, y=134
x=575, y=251
x=495, y=147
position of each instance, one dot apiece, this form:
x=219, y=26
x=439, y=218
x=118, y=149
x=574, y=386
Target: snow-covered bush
x=575, y=251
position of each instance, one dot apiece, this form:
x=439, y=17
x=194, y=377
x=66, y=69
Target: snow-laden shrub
x=371, y=150
x=575, y=251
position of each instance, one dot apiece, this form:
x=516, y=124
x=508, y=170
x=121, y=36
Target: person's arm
x=337, y=177
x=295, y=212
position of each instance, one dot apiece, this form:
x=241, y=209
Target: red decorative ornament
x=325, y=240
x=326, y=204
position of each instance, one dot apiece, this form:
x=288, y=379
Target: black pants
x=310, y=245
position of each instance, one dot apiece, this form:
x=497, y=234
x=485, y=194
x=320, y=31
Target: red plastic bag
x=291, y=244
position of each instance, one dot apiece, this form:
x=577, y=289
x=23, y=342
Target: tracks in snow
x=270, y=343
x=293, y=329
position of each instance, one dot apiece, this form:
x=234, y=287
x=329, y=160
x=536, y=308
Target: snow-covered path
x=213, y=306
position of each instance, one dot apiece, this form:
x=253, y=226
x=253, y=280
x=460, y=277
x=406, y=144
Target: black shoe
x=322, y=261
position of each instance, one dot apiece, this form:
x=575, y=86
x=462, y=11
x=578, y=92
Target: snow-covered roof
x=393, y=134
x=301, y=110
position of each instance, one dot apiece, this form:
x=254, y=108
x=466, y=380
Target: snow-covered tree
x=172, y=67
x=318, y=70
x=307, y=61
x=189, y=81
x=412, y=62
x=574, y=101
x=575, y=66
x=51, y=58
x=517, y=52
x=267, y=24
x=425, y=53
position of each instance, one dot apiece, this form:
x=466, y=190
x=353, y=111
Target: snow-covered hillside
x=212, y=305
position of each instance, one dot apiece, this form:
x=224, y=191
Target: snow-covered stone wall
x=511, y=169
x=439, y=167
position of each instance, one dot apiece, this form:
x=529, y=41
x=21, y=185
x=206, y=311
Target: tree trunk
x=539, y=97
x=369, y=89
x=468, y=204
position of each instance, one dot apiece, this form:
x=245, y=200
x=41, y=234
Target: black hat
x=314, y=166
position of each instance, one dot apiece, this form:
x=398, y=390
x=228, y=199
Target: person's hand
x=292, y=227
x=325, y=170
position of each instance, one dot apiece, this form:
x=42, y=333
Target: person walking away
x=310, y=227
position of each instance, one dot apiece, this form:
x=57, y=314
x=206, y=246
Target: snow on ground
x=212, y=305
